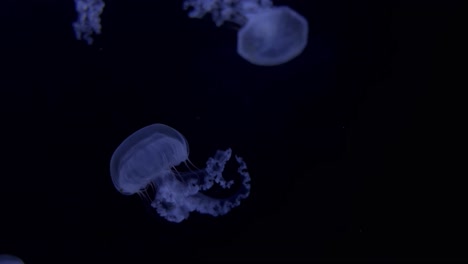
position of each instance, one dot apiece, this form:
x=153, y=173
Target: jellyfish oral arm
x=225, y=10
x=88, y=21
x=207, y=205
x=175, y=199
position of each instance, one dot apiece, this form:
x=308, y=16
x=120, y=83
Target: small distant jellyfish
x=149, y=157
x=268, y=36
x=9, y=259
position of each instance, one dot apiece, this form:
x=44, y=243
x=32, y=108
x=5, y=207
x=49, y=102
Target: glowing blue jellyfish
x=149, y=157
x=9, y=259
x=268, y=36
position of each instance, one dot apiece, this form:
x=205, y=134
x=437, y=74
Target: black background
x=349, y=146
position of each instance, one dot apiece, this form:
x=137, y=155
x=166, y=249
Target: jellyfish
x=269, y=35
x=10, y=259
x=149, y=157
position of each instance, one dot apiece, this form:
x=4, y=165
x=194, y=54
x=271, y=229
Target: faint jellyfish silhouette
x=268, y=36
x=149, y=157
x=9, y=259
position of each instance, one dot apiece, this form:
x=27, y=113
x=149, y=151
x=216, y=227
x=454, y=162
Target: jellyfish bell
x=149, y=157
x=268, y=36
x=10, y=259
x=150, y=151
x=272, y=37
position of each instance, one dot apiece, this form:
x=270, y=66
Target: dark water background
x=346, y=145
